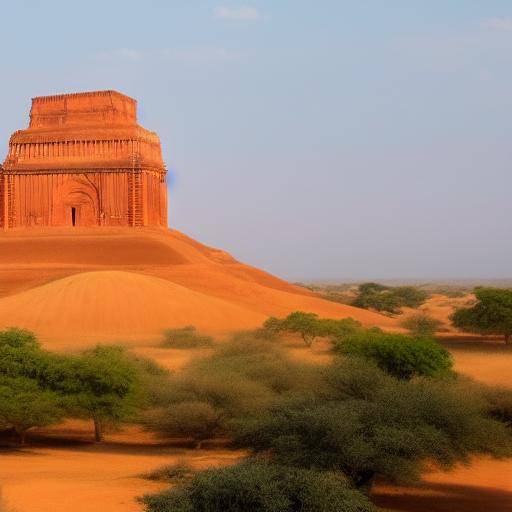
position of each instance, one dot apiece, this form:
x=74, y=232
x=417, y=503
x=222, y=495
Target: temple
x=83, y=161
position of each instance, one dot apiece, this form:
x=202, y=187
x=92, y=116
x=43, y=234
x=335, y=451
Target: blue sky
x=327, y=139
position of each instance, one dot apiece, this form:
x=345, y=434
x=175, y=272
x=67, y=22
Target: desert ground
x=77, y=289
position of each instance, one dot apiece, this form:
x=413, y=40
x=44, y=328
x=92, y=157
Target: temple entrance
x=76, y=205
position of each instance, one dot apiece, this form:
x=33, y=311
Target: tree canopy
x=492, y=313
x=309, y=326
x=400, y=355
x=387, y=298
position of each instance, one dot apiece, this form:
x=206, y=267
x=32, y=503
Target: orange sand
x=85, y=286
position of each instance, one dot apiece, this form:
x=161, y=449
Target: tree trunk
x=98, y=431
x=364, y=481
x=22, y=435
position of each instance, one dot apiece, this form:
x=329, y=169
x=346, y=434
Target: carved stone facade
x=83, y=161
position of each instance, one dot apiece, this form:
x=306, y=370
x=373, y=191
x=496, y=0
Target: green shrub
x=174, y=473
x=260, y=487
x=387, y=298
x=499, y=404
x=242, y=377
x=398, y=354
x=376, y=426
x=186, y=337
x=410, y=296
x=190, y=419
x=421, y=325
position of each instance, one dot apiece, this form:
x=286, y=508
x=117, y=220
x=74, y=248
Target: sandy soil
x=81, y=476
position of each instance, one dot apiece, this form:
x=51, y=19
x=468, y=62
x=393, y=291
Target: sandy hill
x=104, y=284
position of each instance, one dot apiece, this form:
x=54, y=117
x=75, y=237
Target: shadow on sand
x=437, y=497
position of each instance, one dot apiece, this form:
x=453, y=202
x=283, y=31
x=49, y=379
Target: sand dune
x=119, y=284
x=117, y=304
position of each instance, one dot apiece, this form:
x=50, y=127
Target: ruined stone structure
x=83, y=161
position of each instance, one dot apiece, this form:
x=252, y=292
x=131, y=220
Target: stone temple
x=83, y=161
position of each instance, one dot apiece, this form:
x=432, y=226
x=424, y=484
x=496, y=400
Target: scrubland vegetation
x=39, y=388
x=317, y=436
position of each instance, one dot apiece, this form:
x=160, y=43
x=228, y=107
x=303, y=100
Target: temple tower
x=83, y=161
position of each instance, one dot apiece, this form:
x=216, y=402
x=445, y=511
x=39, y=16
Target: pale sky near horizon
x=328, y=139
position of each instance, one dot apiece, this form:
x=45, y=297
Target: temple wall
x=99, y=199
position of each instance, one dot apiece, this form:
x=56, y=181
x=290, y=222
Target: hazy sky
x=315, y=139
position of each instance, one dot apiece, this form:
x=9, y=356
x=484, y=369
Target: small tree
x=309, y=326
x=492, y=314
x=102, y=384
x=421, y=325
x=399, y=355
x=25, y=405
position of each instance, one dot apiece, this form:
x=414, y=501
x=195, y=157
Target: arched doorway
x=75, y=205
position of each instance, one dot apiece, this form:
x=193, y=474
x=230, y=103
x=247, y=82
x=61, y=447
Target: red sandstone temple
x=83, y=161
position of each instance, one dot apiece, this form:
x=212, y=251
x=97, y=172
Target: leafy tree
x=387, y=298
x=492, y=313
x=102, y=384
x=399, y=355
x=375, y=426
x=26, y=401
x=25, y=405
x=260, y=487
x=421, y=325
x=410, y=296
x=366, y=288
x=309, y=326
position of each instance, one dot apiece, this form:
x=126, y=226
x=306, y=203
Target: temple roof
x=97, y=108
x=89, y=130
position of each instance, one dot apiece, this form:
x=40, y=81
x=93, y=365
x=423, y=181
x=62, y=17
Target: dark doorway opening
x=73, y=216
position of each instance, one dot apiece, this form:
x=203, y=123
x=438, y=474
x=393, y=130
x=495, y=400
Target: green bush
x=398, y=354
x=421, y=325
x=499, y=404
x=387, y=298
x=186, y=337
x=174, y=473
x=242, y=377
x=260, y=487
x=376, y=426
